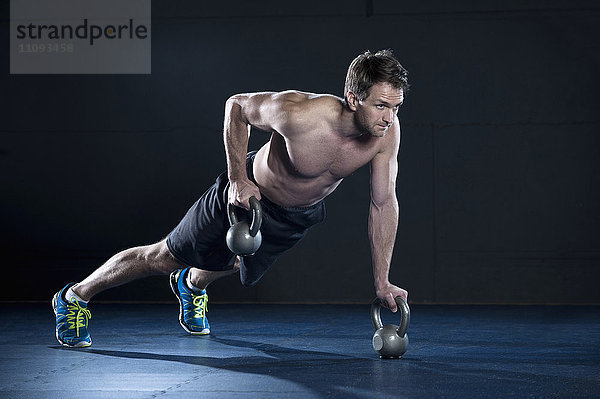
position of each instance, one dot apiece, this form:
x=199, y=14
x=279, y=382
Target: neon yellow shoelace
x=200, y=305
x=78, y=316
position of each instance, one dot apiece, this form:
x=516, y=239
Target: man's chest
x=325, y=155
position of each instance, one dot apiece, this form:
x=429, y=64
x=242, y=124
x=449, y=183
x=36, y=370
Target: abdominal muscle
x=282, y=185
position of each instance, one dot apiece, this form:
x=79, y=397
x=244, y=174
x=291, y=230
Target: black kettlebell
x=390, y=341
x=243, y=239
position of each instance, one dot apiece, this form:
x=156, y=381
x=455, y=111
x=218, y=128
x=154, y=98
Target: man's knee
x=160, y=258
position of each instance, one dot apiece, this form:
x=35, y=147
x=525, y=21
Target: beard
x=368, y=127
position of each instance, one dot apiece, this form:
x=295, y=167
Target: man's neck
x=347, y=123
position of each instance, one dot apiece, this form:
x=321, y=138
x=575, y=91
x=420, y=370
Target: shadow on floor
x=336, y=375
x=324, y=373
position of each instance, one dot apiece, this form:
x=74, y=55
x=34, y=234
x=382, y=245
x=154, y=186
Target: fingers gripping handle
x=256, y=215
x=404, y=311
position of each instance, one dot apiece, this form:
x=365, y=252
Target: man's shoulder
x=297, y=96
x=306, y=103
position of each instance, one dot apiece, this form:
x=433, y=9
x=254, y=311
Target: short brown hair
x=368, y=68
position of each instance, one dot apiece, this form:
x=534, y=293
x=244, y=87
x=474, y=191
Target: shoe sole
x=173, y=284
x=81, y=344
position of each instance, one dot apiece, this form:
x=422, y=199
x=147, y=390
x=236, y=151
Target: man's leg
x=70, y=303
x=189, y=286
x=202, y=278
x=126, y=266
x=135, y=263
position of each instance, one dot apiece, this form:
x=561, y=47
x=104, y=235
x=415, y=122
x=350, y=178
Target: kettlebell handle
x=256, y=209
x=404, y=312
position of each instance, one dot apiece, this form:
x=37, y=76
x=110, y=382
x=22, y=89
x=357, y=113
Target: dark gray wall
x=499, y=172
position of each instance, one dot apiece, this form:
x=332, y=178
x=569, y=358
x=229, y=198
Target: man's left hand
x=387, y=295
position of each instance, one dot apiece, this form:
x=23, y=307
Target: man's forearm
x=383, y=223
x=236, y=132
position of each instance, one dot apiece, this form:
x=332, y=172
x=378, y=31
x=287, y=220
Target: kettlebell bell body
x=390, y=341
x=240, y=241
x=243, y=239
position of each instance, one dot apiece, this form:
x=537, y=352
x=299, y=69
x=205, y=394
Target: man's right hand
x=240, y=192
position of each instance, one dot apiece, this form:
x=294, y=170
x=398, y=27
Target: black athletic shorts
x=199, y=239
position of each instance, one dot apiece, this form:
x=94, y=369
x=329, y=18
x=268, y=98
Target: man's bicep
x=383, y=180
x=384, y=170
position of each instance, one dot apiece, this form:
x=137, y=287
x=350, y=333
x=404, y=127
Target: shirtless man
x=316, y=141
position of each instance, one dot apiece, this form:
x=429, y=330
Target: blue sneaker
x=192, y=306
x=71, y=320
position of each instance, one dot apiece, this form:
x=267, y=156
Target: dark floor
x=285, y=351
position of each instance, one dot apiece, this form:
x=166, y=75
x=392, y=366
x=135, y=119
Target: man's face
x=376, y=113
